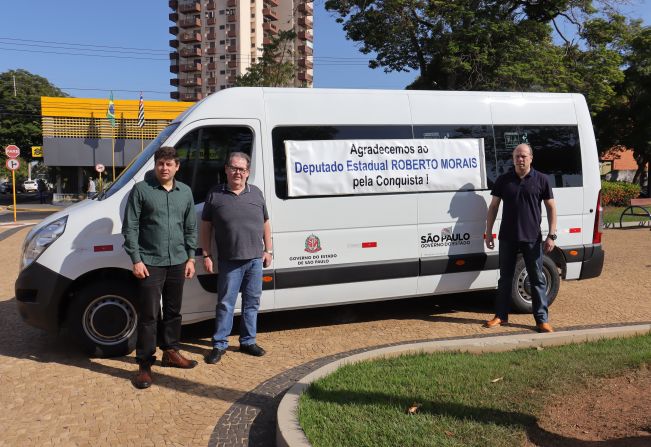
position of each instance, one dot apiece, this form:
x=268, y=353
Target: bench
x=636, y=208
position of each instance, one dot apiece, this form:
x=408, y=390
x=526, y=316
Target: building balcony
x=271, y=3
x=212, y=81
x=190, y=7
x=174, y=68
x=231, y=3
x=211, y=66
x=231, y=49
x=266, y=40
x=211, y=36
x=269, y=13
x=173, y=4
x=174, y=16
x=211, y=5
x=191, y=82
x=194, y=96
x=304, y=49
x=305, y=22
x=211, y=50
x=305, y=63
x=174, y=95
x=270, y=27
x=174, y=43
x=232, y=64
x=174, y=30
x=231, y=33
x=231, y=79
x=306, y=8
x=174, y=55
x=187, y=68
x=232, y=18
x=190, y=37
x=191, y=52
x=190, y=23
x=174, y=82
x=212, y=20
x=304, y=35
x=303, y=76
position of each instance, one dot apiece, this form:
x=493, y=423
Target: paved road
x=52, y=395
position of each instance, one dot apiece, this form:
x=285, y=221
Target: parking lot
x=52, y=395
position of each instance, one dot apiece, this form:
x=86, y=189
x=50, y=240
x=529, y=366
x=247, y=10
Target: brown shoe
x=143, y=378
x=544, y=327
x=174, y=359
x=495, y=322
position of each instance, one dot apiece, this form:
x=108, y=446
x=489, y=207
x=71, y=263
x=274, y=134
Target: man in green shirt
x=160, y=237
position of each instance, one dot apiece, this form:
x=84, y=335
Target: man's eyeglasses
x=235, y=170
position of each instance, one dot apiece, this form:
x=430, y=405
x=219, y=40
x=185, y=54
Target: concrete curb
x=290, y=434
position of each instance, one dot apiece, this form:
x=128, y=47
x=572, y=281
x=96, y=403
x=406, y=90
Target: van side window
x=203, y=153
x=302, y=133
x=465, y=131
x=556, y=151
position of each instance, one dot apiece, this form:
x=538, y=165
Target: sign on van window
x=343, y=167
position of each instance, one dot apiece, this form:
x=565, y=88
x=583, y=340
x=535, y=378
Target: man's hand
x=266, y=259
x=549, y=245
x=189, y=268
x=207, y=264
x=140, y=270
x=490, y=243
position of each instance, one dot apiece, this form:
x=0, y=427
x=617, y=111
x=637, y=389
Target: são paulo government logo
x=312, y=244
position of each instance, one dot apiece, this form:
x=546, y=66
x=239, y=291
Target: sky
x=130, y=49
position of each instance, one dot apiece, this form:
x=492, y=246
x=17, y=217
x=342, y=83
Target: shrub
x=618, y=193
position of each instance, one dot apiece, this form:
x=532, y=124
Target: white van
x=328, y=249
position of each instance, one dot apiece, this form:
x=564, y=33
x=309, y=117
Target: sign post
x=13, y=152
x=99, y=167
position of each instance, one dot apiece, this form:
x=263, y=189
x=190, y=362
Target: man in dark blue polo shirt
x=522, y=190
x=236, y=211
x=160, y=237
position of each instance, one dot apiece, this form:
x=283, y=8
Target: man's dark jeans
x=533, y=260
x=168, y=282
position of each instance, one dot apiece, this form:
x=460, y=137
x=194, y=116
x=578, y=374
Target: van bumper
x=39, y=292
x=593, y=261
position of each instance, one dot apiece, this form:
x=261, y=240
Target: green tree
x=20, y=111
x=275, y=68
x=626, y=122
x=553, y=45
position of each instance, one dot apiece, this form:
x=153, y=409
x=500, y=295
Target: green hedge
x=618, y=193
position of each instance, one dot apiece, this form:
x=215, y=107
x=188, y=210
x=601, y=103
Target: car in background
x=5, y=187
x=29, y=186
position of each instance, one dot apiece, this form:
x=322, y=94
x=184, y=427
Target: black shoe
x=214, y=356
x=252, y=349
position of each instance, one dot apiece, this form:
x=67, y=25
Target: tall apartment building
x=216, y=40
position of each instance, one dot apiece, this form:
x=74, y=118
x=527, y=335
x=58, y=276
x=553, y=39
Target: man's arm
x=131, y=233
x=205, y=235
x=550, y=205
x=491, y=216
x=268, y=247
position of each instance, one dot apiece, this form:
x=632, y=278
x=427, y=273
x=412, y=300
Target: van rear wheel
x=521, y=287
x=103, y=319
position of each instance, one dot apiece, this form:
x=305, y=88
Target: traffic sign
x=37, y=151
x=12, y=164
x=99, y=167
x=12, y=151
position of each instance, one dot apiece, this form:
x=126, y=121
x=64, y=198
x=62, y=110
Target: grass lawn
x=612, y=213
x=464, y=399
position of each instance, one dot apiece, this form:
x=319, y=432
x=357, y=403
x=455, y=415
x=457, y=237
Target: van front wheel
x=521, y=287
x=103, y=319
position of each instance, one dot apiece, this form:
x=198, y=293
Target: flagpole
x=142, y=139
x=113, y=150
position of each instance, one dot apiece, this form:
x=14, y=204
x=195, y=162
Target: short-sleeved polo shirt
x=238, y=221
x=521, y=198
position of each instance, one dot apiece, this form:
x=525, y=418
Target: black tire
x=103, y=318
x=521, y=288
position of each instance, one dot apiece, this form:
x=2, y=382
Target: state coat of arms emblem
x=312, y=244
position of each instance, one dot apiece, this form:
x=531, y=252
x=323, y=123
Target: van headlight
x=36, y=243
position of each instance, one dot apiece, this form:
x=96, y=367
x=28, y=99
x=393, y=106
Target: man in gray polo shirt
x=236, y=211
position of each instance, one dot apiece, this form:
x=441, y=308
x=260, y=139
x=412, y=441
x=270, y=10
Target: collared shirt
x=160, y=226
x=521, y=213
x=238, y=220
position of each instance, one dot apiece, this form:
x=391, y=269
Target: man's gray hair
x=241, y=155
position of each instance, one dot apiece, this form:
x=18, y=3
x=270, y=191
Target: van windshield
x=138, y=162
